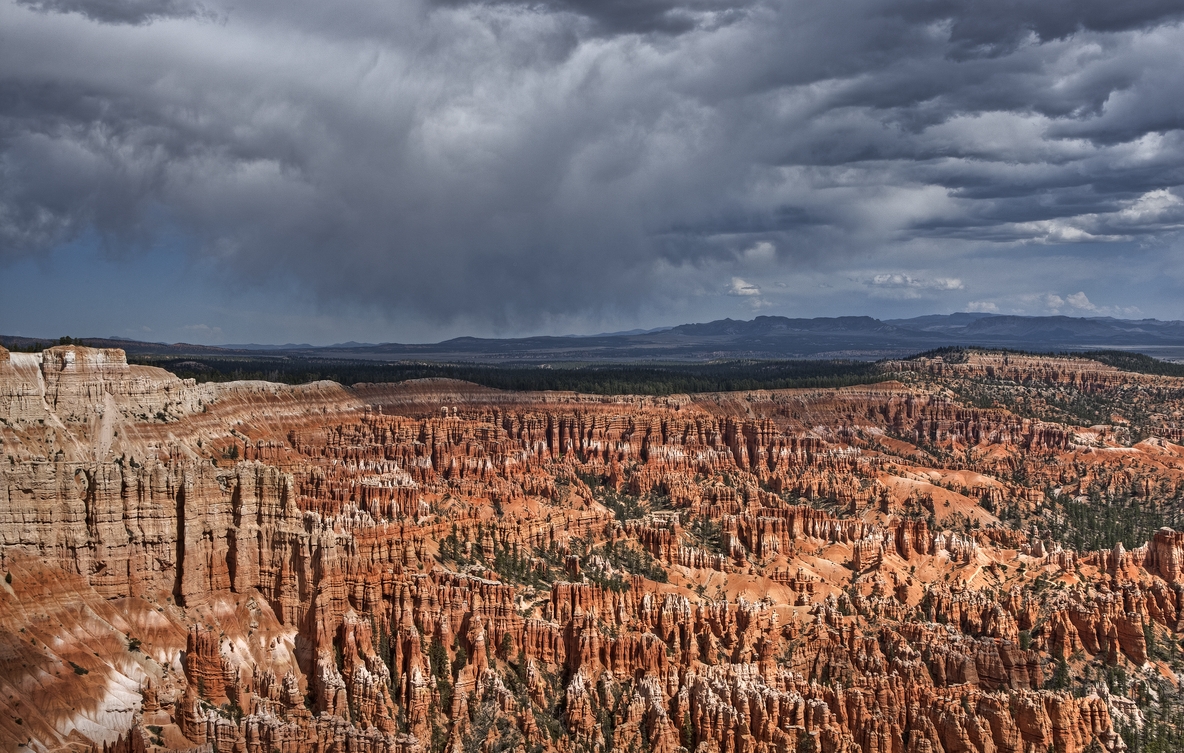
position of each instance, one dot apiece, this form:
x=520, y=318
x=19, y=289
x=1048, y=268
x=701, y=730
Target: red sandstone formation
x=435, y=566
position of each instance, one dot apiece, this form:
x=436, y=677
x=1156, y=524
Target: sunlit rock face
x=435, y=566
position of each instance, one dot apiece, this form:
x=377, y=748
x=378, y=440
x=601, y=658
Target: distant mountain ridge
x=776, y=325
x=764, y=337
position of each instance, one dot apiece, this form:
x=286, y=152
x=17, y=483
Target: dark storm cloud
x=516, y=162
x=119, y=11
x=1001, y=24
x=637, y=16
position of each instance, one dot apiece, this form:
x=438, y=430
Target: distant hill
x=13, y=342
x=765, y=337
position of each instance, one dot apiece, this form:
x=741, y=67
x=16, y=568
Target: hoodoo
x=435, y=566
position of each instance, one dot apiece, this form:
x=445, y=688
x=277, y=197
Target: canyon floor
x=975, y=556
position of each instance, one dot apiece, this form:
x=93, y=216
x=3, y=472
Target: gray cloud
x=610, y=17
x=133, y=12
x=512, y=164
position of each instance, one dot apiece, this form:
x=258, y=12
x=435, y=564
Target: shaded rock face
x=1165, y=555
x=432, y=566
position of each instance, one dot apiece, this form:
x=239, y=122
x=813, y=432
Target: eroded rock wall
x=433, y=566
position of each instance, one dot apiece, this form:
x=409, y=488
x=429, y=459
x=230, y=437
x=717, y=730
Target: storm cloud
x=515, y=164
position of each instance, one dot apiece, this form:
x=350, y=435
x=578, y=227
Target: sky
x=412, y=170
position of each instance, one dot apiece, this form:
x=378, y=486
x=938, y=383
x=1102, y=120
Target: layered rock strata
x=436, y=566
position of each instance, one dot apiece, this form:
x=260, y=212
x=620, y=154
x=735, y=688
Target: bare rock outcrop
x=434, y=566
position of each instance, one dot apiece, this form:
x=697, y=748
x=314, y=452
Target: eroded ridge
x=434, y=566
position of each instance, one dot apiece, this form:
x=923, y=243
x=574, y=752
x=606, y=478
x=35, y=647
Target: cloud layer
x=512, y=164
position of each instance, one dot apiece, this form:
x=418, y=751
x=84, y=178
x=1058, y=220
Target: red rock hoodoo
x=435, y=566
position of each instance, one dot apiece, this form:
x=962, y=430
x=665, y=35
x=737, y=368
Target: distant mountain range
x=765, y=337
